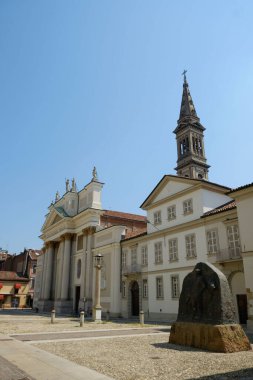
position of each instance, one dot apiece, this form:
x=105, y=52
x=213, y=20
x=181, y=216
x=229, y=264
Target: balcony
x=228, y=254
x=131, y=269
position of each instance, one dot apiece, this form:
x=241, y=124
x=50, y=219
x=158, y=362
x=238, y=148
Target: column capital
x=66, y=236
x=49, y=244
x=89, y=230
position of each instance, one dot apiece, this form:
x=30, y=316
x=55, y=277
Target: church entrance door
x=77, y=299
x=135, y=298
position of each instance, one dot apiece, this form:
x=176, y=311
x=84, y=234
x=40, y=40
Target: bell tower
x=191, y=161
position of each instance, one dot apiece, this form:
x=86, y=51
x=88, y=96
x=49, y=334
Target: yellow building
x=13, y=290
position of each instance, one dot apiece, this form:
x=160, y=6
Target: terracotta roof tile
x=134, y=234
x=225, y=207
x=124, y=215
x=241, y=187
x=11, y=276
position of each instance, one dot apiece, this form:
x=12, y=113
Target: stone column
x=49, y=271
x=66, y=267
x=53, y=287
x=83, y=269
x=89, y=264
x=44, y=272
x=72, y=268
x=59, y=270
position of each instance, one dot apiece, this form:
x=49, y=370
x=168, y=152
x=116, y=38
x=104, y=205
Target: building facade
x=13, y=290
x=74, y=226
x=188, y=219
x=24, y=265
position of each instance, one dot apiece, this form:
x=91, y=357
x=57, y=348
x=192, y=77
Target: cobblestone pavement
x=88, y=334
x=11, y=372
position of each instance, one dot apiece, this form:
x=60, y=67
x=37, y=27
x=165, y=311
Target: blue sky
x=86, y=83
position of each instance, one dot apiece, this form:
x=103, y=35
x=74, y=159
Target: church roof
x=124, y=215
x=61, y=211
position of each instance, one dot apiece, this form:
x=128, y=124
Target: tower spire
x=191, y=160
x=187, y=106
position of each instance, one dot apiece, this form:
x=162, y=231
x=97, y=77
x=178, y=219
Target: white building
x=65, y=273
x=189, y=219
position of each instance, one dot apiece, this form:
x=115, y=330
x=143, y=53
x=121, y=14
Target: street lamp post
x=97, y=310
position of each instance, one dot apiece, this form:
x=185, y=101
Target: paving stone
x=11, y=372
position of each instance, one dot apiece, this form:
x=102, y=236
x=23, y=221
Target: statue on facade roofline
x=73, y=188
x=94, y=174
x=57, y=196
x=67, y=185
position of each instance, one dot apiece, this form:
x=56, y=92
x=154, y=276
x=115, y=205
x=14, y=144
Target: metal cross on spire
x=183, y=73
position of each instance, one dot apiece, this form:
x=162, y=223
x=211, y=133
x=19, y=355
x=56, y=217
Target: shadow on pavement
x=242, y=374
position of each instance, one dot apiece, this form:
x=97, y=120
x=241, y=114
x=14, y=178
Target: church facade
x=65, y=273
x=145, y=259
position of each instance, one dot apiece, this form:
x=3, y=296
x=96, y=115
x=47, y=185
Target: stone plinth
x=97, y=314
x=217, y=338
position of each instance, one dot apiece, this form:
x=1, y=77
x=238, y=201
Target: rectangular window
x=173, y=250
x=79, y=246
x=144, y=255
x=175, y=287
x=159, y=287
x=171, y=212
x=212, y=242
x=123, y=289
x=190, y=245
x=157, y=217
x=158, y=253
x=234, y=241
x=124, y=259
x=187, y=207
x=133, y=256
x=145, y=288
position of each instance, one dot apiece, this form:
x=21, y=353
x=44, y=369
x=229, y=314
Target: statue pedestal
x=216, y=338
x=97, y=314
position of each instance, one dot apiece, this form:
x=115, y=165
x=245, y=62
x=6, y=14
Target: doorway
x=77, y=299
x=135, y=298
x=242, y=308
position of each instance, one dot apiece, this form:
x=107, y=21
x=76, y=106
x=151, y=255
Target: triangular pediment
x=55, y=215
x=169, y=186
x=56, y=219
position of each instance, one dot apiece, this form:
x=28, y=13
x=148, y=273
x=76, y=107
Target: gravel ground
x=18, y=324
x=132, y=358
x=151, y=357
